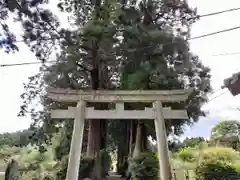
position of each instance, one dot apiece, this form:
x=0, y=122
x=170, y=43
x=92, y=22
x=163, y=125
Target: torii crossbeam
x=81, y=112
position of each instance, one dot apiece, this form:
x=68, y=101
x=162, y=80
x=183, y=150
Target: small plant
x=106, y=162
x=236, y=167
x=187, y=154
x=145, y=166
x=220, y=154
x=215, y=170
x=86, y=167
x=62, y=168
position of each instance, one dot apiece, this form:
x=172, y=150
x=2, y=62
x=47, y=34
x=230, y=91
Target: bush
x=85, y=168
x=187, y=154
x=62, y=168
x=219, y=154
x=215, y=171
x=106, y=162
x=145, y=166
x=236, y=167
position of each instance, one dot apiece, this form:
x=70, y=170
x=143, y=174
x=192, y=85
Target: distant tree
x=193, y=142
x=226, y=133
x=19, y=138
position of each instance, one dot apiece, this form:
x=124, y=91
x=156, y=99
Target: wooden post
x=76, y=143
x=162, y=145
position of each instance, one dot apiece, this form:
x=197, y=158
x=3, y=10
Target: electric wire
x=132, y=50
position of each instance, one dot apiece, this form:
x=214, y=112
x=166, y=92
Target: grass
x=181, y=174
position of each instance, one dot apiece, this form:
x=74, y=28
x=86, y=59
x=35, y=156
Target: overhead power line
x=227, y=54
x=211, y=93
x=214, y=33
x=132, y=50
x=198, y=16
x=26, y=63
x=217, y=96
x=219, y=12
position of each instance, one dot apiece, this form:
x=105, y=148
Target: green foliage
x=187, y=154
x=147, y=55
x=226, y=133
x=7, y=151
x=145, y=166
x=193, y=142
x=19, y=138
x=236, y=166
x=62, y=168
x=86, y=167
x=226, y=127
x=215, y=170
x=219, y=154
x=87, y=163
x=32, y=164
x=106, y=161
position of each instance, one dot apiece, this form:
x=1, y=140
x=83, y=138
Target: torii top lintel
x=68, y=95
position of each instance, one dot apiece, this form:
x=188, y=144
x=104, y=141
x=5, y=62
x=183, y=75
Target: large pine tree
x=112, y=44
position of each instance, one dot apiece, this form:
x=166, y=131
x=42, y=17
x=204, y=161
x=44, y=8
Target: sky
x=220, y=107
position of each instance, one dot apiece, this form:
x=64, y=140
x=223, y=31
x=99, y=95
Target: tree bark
x=131, y=138
x=137, y=148
x=141, y=143
x=144, y=139
x=90, y=146
x=97, y=128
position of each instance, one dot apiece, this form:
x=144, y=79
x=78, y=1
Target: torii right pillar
x=162, y=144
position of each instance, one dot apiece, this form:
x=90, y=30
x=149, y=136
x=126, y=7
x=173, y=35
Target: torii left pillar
x=76, y=144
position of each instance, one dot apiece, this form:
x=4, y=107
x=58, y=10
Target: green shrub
x=187, y=154
x=62, y=168
x=215, y=171
x=219, y=154
x=106, y=162
x=87, y=163
x=49, y=177
x=236, y=167
x=86, y=167
x=145, y=166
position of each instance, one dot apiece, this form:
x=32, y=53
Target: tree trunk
x=134, y=135
x=90, y=146
x=97, y=128
x=144, y=139
x=103, y=146
x=141, y=139
x=137, y=148
x=126, y=137
x=131, y=138
x=94, y=145
x=120, y=157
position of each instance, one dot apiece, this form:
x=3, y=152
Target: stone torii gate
x=157, y=113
